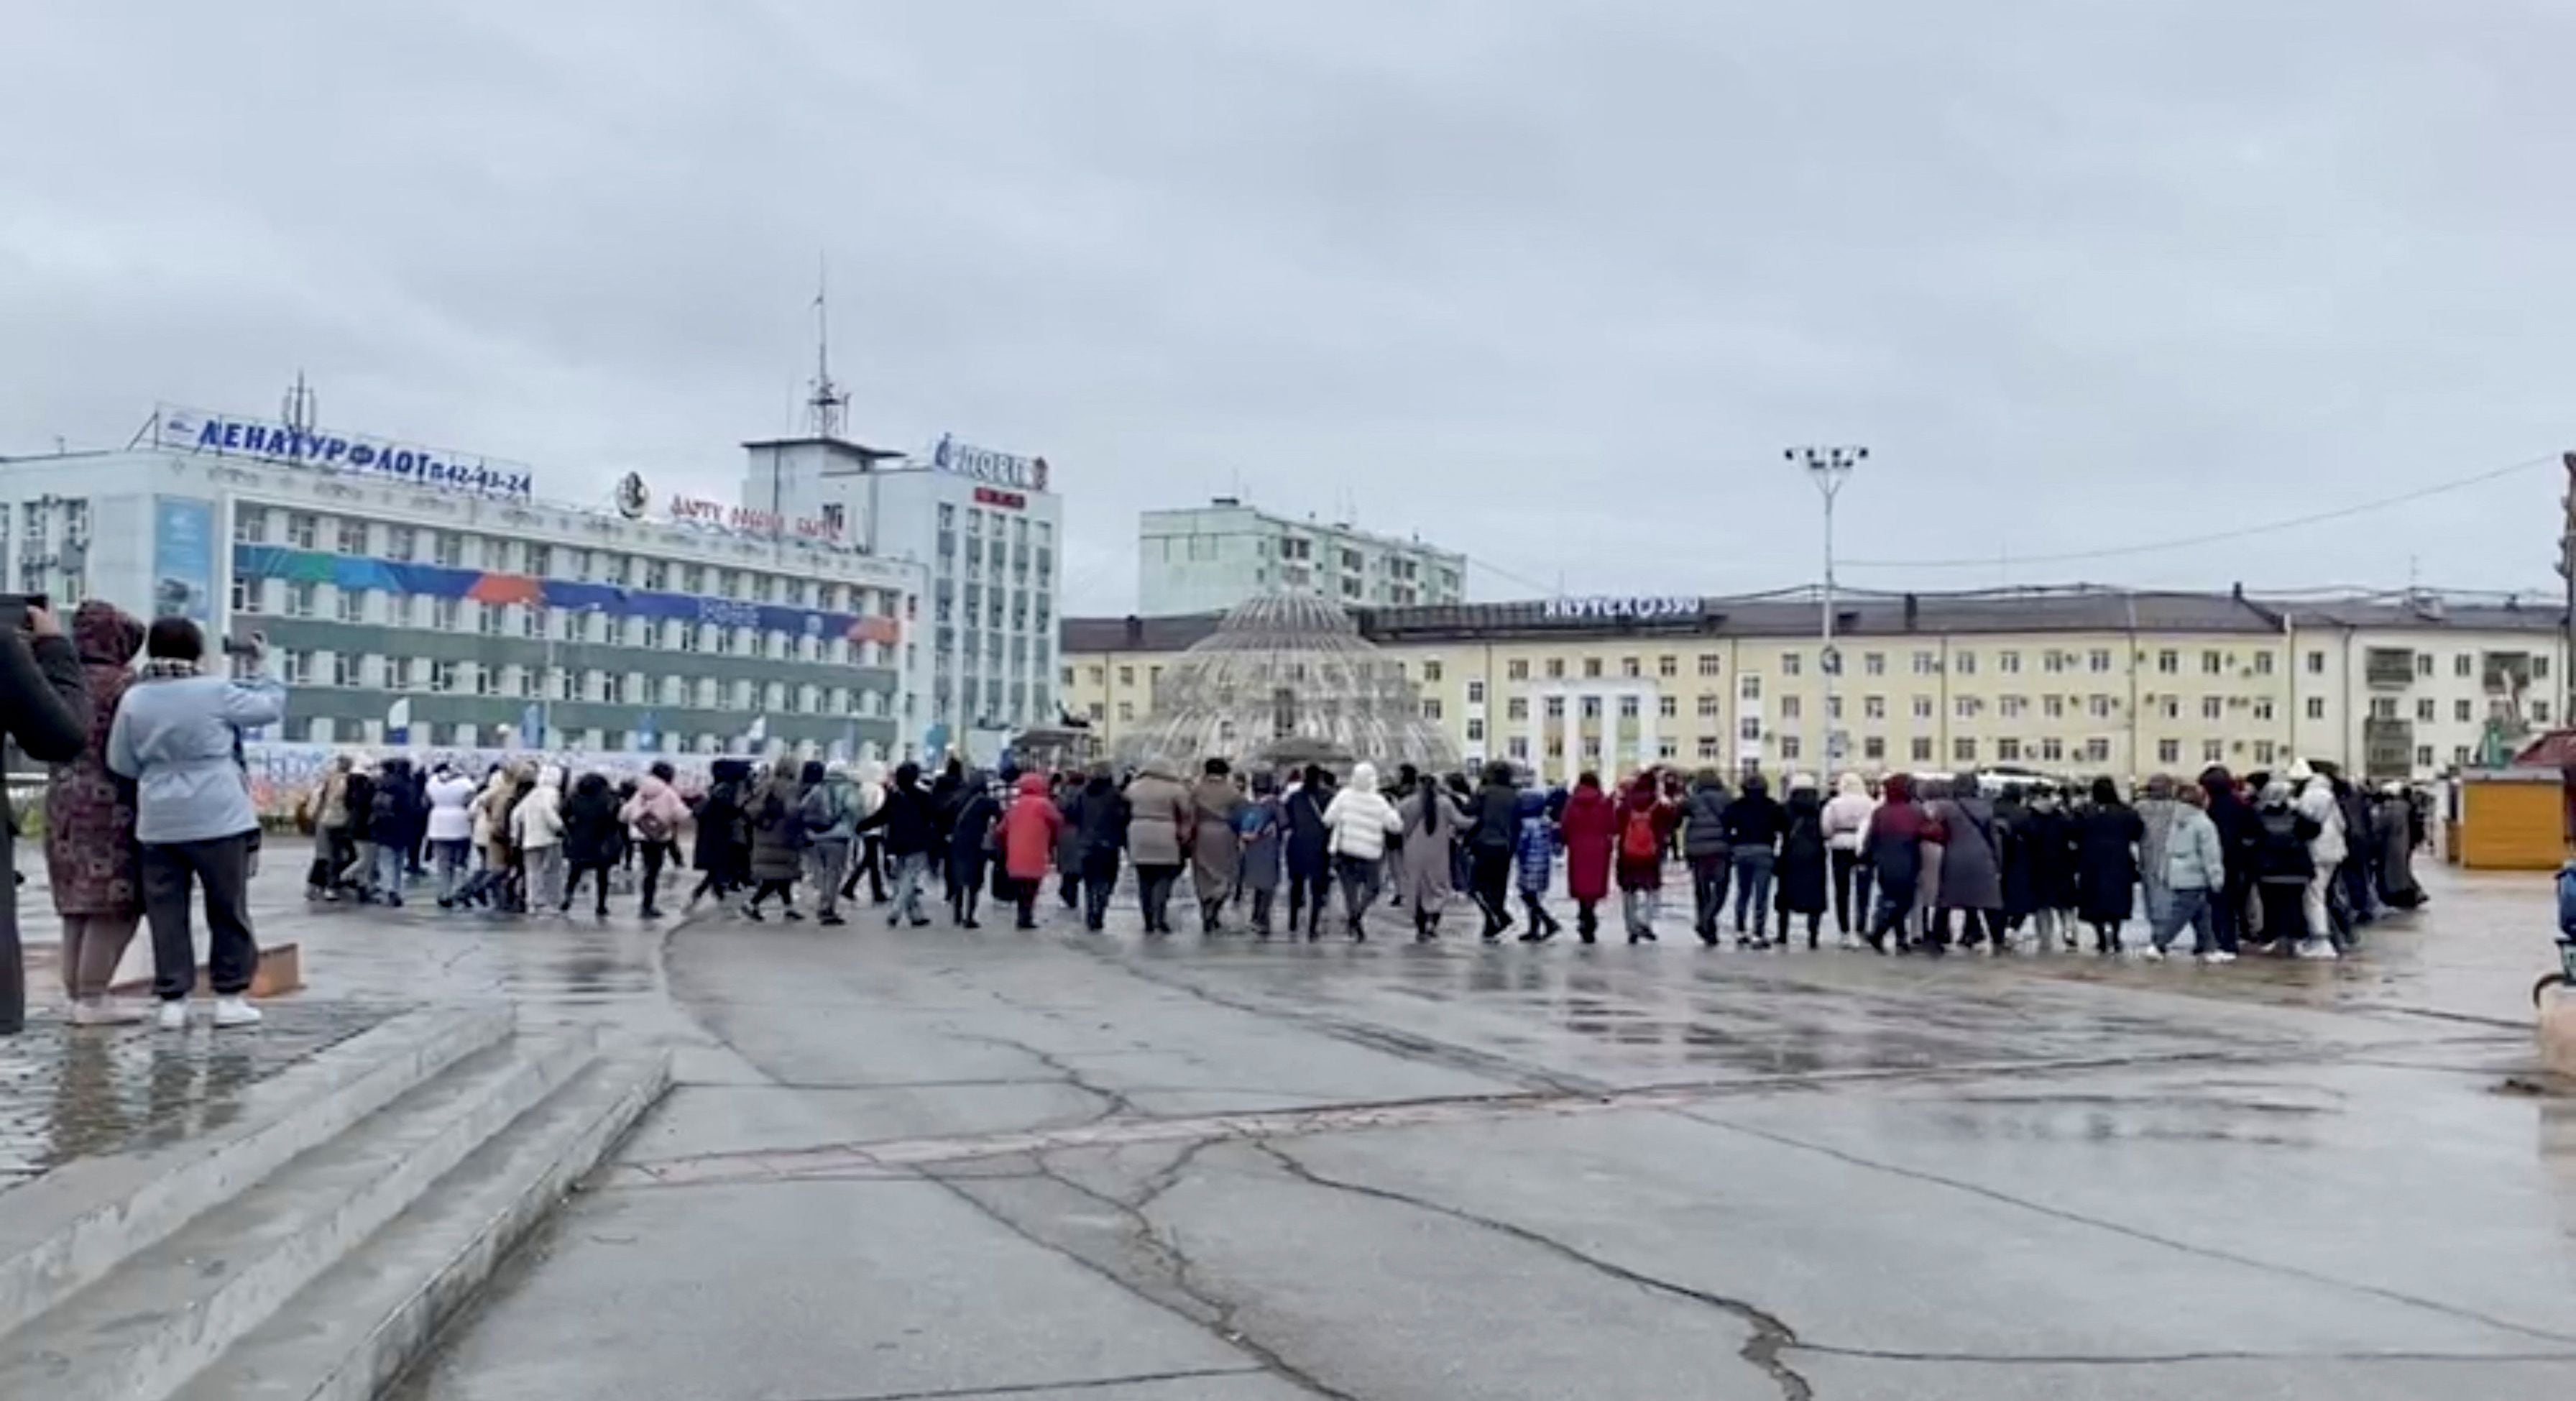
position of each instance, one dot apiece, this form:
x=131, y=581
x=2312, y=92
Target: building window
x=2316, y=664
x=1556, y=668
x=2052, y=660
x=2007, y=751
x=2316, y=707
x=2540, y=712
x=2213, y=751
x=299, y=668
x=1517, y=708
x=2052, y=750
x=1873, y=707
x=2463, y=665
x=250, y=524
x=2211, y=664
x=1964, y=663
x=1748, y=687
x=1475, y=692
x=2424, y=710
x=2099, y=659
x=353, y=605
x=1748, y=728
x=1668, y=666
x=1790, y=663
x=1430, y=707
x=450, y=549
x=1708, y=664
x=1789, y=708
x=1707, y=748
x=1874, y=749
x=1926, y=663
x=1708, y=705
x=1873, y=663
x=2054, y=707
x=2168, y=662
x=1517, y=669
x=2540, y=668
x=1475, y=731
x=2011, y=707
x=2097, y=750
x=2423, y=756
x=303, y=530
x=2263, y=663
x=1921, y=748
x=1669, y=707
x=2462, y=710
x=1789, y=747
x=1631, y=667
x=1965, y=707
x=241, y=595
x=2459, y=756
x=1591, y=666
x=2008, y=662
x=445, y=612
x=352, y=537
x=1963, y=750
x=1922, y=707
x=2168, y=751
x=2210, y=707
x=1556, y=707
x=299, y=599
x=1430, y=671
x=2263, y=709
x=489, y=621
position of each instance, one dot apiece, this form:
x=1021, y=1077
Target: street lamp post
x=1828, y=468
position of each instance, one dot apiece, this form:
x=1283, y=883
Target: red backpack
x=1638, y=840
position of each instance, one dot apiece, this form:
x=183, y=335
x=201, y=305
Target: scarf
x=168, y=668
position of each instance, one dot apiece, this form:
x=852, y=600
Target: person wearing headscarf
x=90, y=851
x=1065, y=791
x=2107, y=836
x=1646, y=823
x=1590, y=829
x=1358, y=823
x=870, y=858
x=1432, y=820
x=1216, y=846
x=1800, y=875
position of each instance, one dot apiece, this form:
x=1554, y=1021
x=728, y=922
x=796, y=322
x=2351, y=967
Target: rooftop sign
x=1602, y=606
x=195, y=431
x=986, y=465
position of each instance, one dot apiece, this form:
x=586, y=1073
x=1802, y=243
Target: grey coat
x=1972, y=875
x=175, y=737
x=1424, y=880
x=1215, y=849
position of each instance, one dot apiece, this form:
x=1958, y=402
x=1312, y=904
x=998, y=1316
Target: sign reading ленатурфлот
x=197, y=431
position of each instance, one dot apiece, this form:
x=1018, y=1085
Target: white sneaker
x=234, y=1011
x=2218, y=956
x=105, y=1011
x=2318, y=949
x=2151, y=954
x=1849, y=941
x=172, y=1015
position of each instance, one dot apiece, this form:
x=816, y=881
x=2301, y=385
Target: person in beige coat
x=1161, y=829
x=1216, y=845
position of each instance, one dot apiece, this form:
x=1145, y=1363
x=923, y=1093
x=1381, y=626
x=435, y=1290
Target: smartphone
x=245, y=644
x=14, y=606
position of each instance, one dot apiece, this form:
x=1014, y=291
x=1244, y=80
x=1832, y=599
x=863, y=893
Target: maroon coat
x=1641, y=797
x=1590, y=827
x=90, y=851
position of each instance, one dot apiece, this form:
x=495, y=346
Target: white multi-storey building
x=1206, y=559
x=987, y=532
x=411, y=595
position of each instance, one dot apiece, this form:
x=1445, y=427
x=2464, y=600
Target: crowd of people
x=2295, y=863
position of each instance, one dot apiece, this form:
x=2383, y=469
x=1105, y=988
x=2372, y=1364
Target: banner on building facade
x=183, y=558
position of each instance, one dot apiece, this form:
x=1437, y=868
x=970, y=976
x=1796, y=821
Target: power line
x=2214, y=537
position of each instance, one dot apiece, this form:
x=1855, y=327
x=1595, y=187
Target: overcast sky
x=1552, y=283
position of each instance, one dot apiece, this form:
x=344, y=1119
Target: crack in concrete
x=1079, y=1384
x=1114, y=1103
x=2167, y=1359
x=1978, y=1189
x=1770, y=1335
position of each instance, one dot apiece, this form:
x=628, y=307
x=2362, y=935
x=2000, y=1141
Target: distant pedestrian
x=1534, y=862
x=970, y=848
x=1216, y=846
x=536, y=834
x=1028, y=837
x=1067, y=796
x=721, y=851
x=1309, y=855
x=2284, y=864
x=1972, y=875
x=653, y=817
x=1893, y=846
x=2106, y=864
x=2194, y=878
x=395, y=822
x=1646, y=823
x=1847, y=816
x=869, y=856
x=777, y=822
x=594, y=838
x=1360, y=822
x=1753, y=824
x=1430, y=820
x=2047, y=844
x=1160, y=816
x=450, y=831
x=909, y=829
x=2395, y=832
x=1262, y=827
x=830, y=811
x=1492, y=838
x=1590, y=829
x=1100, y=827
x=1705, y=847
x=1801, y=873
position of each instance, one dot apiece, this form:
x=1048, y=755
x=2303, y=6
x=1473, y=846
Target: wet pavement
x=990, y=1163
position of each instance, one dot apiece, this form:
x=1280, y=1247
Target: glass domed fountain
x=1287, y=680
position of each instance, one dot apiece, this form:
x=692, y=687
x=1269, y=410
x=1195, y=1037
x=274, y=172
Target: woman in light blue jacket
x=177, y=735
x=2195, y=874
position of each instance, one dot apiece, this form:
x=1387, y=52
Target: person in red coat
x=1647, y=821
x=1029, y=829
x=1589, y=827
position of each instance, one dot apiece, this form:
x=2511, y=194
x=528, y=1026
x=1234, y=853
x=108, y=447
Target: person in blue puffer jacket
x=1534, y=859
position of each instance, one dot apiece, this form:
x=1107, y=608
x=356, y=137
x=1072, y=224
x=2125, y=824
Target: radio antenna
x=823, y=411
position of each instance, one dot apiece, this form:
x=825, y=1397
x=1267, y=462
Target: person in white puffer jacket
x=1846, y=822
x=536, y=825
x=2327, y=849
x=1356, y=825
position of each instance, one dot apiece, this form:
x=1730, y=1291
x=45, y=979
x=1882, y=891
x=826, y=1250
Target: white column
x=1648, y=753
x=1534, y=722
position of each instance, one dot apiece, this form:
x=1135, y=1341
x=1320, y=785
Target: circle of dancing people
x=2294, y=863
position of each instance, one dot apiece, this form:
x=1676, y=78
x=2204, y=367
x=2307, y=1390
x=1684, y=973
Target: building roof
x=2081, y=609
x=1344, y=529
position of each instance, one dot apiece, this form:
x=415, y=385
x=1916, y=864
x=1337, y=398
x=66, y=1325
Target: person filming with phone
x=44, y=705
x=176, y=735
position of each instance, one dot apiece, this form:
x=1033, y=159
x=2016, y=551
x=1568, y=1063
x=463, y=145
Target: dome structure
x=1285, y=680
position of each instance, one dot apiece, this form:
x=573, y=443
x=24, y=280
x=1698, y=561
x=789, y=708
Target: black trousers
x=169, y=871
x=783, y=887
x=1099, y=879
x=1306, y=896
x=598, y=874
x=656, y=856
x=1492, y=875
x=1708, y=891
x=1154, y=891
x=870, y=862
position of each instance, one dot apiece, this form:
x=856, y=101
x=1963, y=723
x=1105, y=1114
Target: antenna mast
x=299, y=409
x=823, y=411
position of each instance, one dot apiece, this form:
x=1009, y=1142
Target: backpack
x=1638, y=840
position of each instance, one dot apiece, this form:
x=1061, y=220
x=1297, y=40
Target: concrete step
x=69, y=1228
x=353, y=1331
x=166, y=1311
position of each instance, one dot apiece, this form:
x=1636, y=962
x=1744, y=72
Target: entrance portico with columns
x=1611, y=703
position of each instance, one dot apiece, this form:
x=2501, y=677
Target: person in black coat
x=1496, y=831
x=396, y=820
x=594, y=838
x=947, y=794
x=911, y=830
x=970, y=834
x=1098, y=822
x=45, y=706
x=358, y=874
x=2012, y=817
x=1309, y=858
x=1800, y=869
x=1753, y=823
x=2046, y=843
x=2278, y=859
x=721, y=850
x=2237, y=830
x=2106, y=864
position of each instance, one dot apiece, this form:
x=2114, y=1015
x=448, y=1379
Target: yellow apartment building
x=2073, y=682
